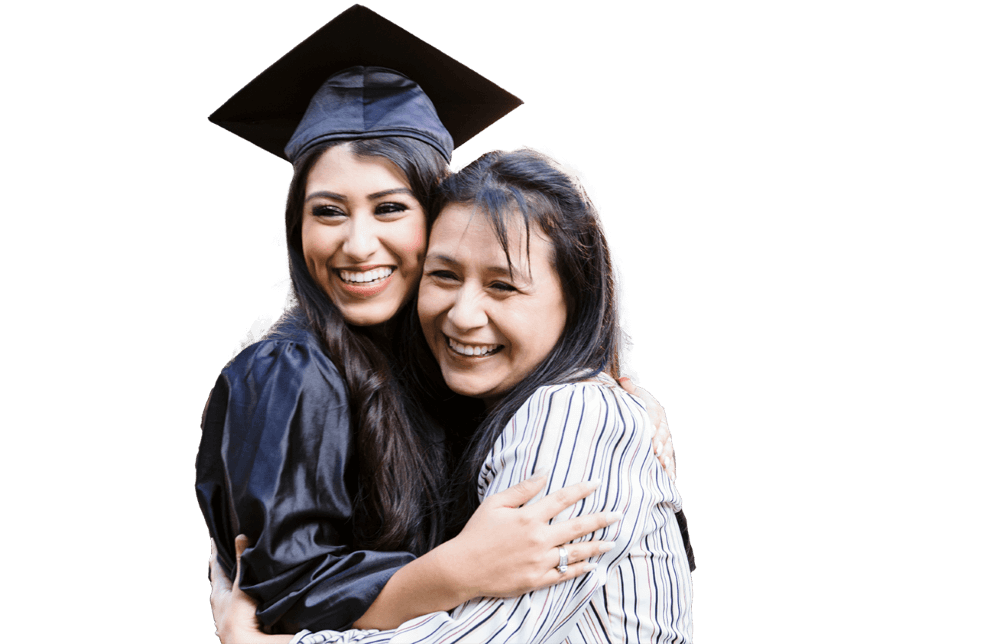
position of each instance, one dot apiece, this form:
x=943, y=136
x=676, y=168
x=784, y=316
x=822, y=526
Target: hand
x=506, y=550
x=663, y=444
x=234, y=611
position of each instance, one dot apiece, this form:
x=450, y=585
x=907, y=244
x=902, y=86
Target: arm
x=234, y=612
x=272, y=464
x=503, y=551
x=579, y=432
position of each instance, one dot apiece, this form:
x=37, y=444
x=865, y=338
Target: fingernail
x=606, y=546
x=593, y=484
x=539, y=474
x=612, y=517
x=589, y=566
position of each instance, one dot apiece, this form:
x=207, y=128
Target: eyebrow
x=372, y=197
x=512, y=272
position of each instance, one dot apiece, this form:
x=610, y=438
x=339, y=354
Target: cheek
x=548, y=324
x=424, y=302
x=414, y=242
x=557, y=324
x=309, y=251
x=313, y=244
x=431, y=302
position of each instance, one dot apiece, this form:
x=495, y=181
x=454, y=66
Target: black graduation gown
x=276, y=464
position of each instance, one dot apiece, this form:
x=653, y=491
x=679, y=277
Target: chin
x=463, y=387
x=369, y=315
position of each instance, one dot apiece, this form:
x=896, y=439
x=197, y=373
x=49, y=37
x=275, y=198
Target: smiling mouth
x=473, y=350
x=365, y=278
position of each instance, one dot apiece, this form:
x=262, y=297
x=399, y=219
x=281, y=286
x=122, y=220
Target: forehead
x=465, y=226
x=462, y=232
x=340, y=164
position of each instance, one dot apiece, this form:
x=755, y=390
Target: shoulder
x=588, y=406
x=281, y=383
x=581, y=431
x=289, y=357
x=583, y=423
x=279, y=394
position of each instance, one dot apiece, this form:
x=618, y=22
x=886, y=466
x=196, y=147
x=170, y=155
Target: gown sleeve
x=641, y=588
x=275, y=464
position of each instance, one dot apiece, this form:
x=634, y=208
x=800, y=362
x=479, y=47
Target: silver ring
x=563, y=560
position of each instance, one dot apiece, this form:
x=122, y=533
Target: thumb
x=519, y=494
x=241, y=544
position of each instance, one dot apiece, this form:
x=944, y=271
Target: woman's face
x=488, y=327
x=363, y=234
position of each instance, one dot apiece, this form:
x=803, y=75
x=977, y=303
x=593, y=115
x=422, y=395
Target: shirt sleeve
x=275, y=464
x=577, y=432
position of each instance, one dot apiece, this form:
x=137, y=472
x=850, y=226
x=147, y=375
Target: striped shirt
x=640, y=591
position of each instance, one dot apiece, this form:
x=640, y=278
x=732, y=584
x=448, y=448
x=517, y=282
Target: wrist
x=451, y=560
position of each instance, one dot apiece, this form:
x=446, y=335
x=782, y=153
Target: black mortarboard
x=351, y=59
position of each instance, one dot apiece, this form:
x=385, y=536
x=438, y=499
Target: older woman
x=518, y=309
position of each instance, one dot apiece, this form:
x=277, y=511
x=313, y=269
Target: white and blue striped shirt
x=640, y=591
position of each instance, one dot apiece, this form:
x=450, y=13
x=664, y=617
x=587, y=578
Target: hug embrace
x=431, y=446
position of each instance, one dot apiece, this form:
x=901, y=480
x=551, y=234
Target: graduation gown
x=276, y=463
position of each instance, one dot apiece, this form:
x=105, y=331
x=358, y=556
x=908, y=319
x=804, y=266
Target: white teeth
x=472, y=349
x=367, y=276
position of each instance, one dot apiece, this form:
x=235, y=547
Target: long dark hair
x=501, y=186
x=400, y=463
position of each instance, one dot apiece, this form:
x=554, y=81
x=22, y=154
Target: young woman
x=314, y=445
x=518, y=309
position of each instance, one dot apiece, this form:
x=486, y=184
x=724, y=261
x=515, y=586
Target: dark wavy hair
x=400, y=463
x=525, y=188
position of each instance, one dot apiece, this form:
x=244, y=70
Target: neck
x=380, y=333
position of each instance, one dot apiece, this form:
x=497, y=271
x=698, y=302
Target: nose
x=467, y=310
x=362, y=238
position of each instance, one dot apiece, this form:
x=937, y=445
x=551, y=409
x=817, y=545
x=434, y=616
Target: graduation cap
x=361, y=76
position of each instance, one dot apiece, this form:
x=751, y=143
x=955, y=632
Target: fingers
x=664, y=450
x=577, y=555
x=221, y=586
x=563, y=498
x=220, y=582
x=665, y=453
x=663, y=446
x=661, y=434
x=577, y=552
x=573, y=529
x=573, y=570
x=518, y=495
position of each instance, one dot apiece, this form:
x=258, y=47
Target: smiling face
x=363, y=234
x=488, y=327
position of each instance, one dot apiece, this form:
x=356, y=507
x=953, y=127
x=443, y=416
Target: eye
x=327, y=211
x=390, y=208
x=503, y=287
x=443, y=275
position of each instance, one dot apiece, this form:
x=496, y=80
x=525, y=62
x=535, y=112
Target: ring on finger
x=563, y=560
